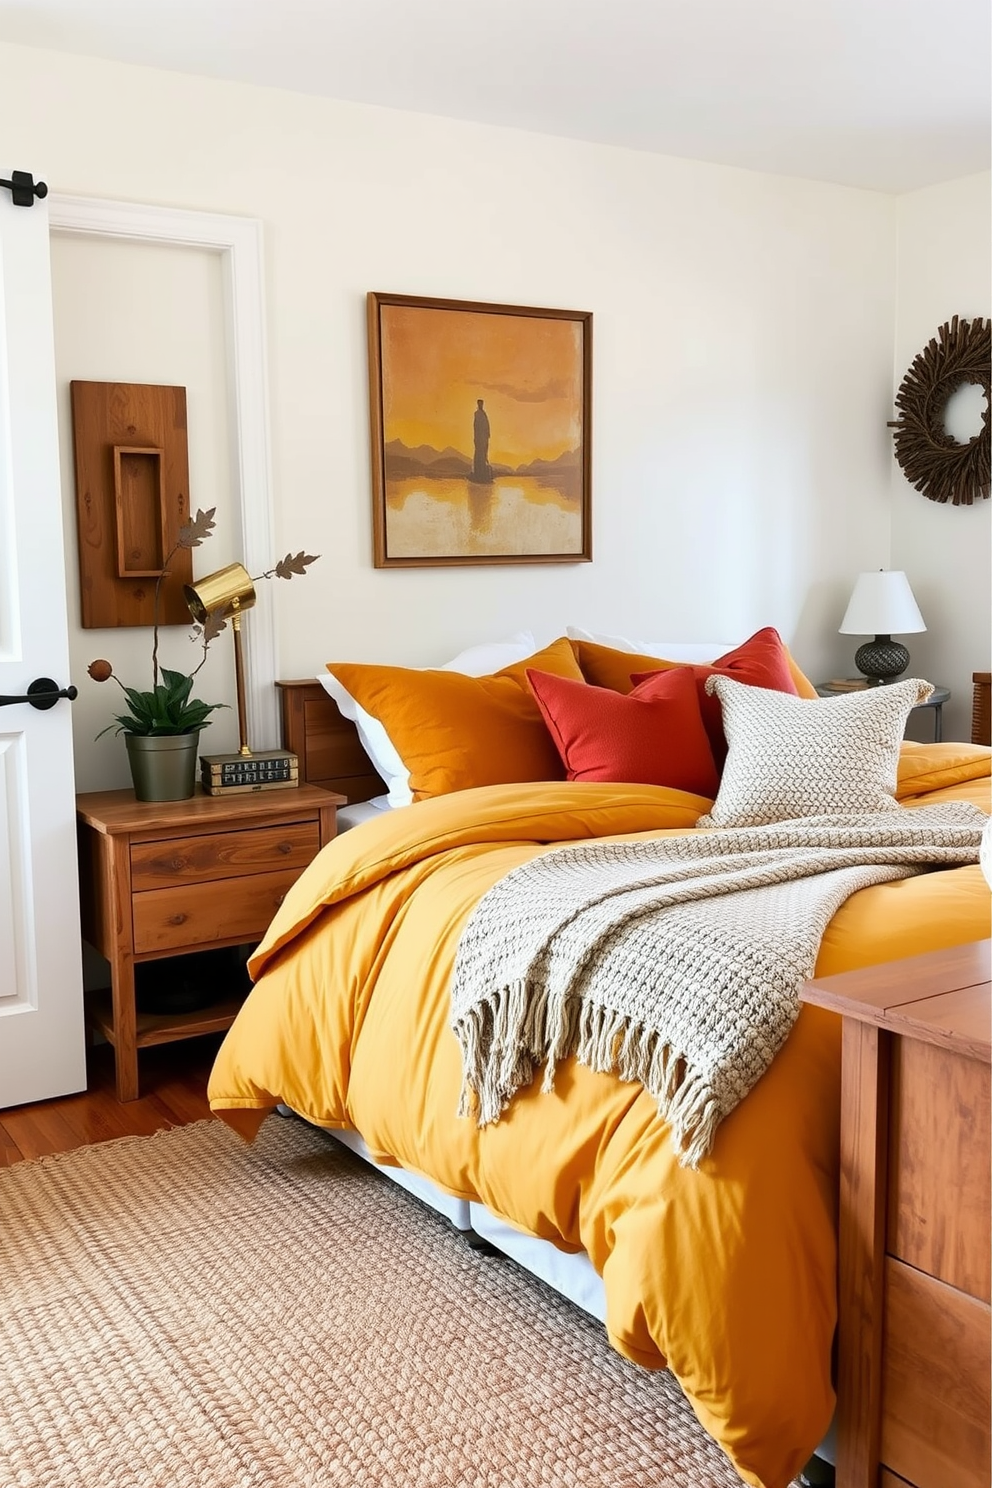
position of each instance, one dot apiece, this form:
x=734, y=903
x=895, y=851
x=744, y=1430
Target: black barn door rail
x=24, y=188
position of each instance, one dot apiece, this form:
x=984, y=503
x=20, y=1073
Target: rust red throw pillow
x=651, y=736
x=760, y=661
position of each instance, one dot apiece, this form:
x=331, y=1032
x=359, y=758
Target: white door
x=42, y=1051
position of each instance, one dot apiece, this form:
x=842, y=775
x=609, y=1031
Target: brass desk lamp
x=226, y=595
x=222, y=596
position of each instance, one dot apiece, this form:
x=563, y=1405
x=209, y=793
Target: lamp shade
x=225, y=593
x=882, y=603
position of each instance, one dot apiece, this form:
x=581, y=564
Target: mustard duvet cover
x=725, y=1274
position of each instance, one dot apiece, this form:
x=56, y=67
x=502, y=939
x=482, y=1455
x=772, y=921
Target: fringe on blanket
x=515, y=1021
x=672, y=962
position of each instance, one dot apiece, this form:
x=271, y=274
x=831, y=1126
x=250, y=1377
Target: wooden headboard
x=328, y=746
x=331, y=753
x=981, y=708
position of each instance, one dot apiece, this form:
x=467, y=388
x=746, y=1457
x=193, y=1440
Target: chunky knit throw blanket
x=675, y=961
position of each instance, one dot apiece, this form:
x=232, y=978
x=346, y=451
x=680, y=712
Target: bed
x=724, y=1272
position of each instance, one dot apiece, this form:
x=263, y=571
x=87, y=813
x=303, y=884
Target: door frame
x=238, y=241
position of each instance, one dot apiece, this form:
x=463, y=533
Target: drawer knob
x=178, y=919
x=285, y=848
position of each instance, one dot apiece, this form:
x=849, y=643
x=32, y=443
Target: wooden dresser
x=914, y=1358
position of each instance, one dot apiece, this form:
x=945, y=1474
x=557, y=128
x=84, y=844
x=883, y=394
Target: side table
x=164, y=878
x=936, y=701
x=914, y=1372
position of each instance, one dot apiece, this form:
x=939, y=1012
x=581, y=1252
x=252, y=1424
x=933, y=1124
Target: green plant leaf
x=177, y=688
x=168, y=709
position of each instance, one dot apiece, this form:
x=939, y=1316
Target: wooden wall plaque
x=132, y=497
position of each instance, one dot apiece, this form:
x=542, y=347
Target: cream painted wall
x=127, y=312
x=743, y=335
x=944, y=269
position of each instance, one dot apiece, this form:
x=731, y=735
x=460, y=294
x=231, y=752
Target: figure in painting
x=482, y=471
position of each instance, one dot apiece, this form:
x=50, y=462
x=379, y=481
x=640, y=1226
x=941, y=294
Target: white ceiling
x=885, y=94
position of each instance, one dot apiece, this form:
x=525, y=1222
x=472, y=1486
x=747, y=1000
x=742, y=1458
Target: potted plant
x=162, y=727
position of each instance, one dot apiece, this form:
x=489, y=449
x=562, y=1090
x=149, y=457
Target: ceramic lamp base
x=881, y=660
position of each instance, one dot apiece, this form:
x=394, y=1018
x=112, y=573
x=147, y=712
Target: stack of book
x=276, y=770
x=847, y=684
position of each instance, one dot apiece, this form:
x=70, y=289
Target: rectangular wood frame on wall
x=132, y=498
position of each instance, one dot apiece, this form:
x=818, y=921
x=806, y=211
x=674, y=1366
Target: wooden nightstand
x=160, y=879
x=915, y=1330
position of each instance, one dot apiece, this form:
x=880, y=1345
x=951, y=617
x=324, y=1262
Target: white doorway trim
x=238, y=240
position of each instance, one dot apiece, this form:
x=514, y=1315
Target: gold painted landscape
x=482, y=423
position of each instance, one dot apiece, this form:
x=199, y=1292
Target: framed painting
x=481, y=424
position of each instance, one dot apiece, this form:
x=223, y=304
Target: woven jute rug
x=186, y=1311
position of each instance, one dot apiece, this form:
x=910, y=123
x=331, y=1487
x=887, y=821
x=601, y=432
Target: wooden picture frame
x=481, y=432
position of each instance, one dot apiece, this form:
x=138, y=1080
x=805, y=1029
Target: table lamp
x=881, y=604
x=226, y=595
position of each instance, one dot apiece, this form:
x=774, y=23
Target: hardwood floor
x=173, y=1092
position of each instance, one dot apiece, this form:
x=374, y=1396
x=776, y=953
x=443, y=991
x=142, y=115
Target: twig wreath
x=932, y=460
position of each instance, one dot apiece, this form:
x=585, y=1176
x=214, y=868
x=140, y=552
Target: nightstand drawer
x=936, y=1398
x=224, y=910
x=198, y=859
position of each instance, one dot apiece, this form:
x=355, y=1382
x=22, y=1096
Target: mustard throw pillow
x=604, y=666
x=453, y=732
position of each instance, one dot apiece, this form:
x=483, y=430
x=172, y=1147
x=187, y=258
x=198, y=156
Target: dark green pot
x=163, y=766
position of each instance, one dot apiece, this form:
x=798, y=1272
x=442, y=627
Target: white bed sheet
x=455, y=1210
x=361, y=811
x=571, y=1274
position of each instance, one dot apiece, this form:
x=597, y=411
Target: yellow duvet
x=725, y=1274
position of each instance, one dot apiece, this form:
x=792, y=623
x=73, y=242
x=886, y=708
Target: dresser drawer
x=225, y=909
x=940, y=1155
x=174, y=861
x=936, y=1396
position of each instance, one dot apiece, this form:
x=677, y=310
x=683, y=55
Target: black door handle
x=41, y=693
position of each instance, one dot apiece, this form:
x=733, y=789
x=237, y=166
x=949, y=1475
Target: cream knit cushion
x=790, y=757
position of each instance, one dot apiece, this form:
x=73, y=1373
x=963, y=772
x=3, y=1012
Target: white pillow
x=790, y=757
x=491, y=656
x=685, y=651
x=985, y=852
x=476, y=661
